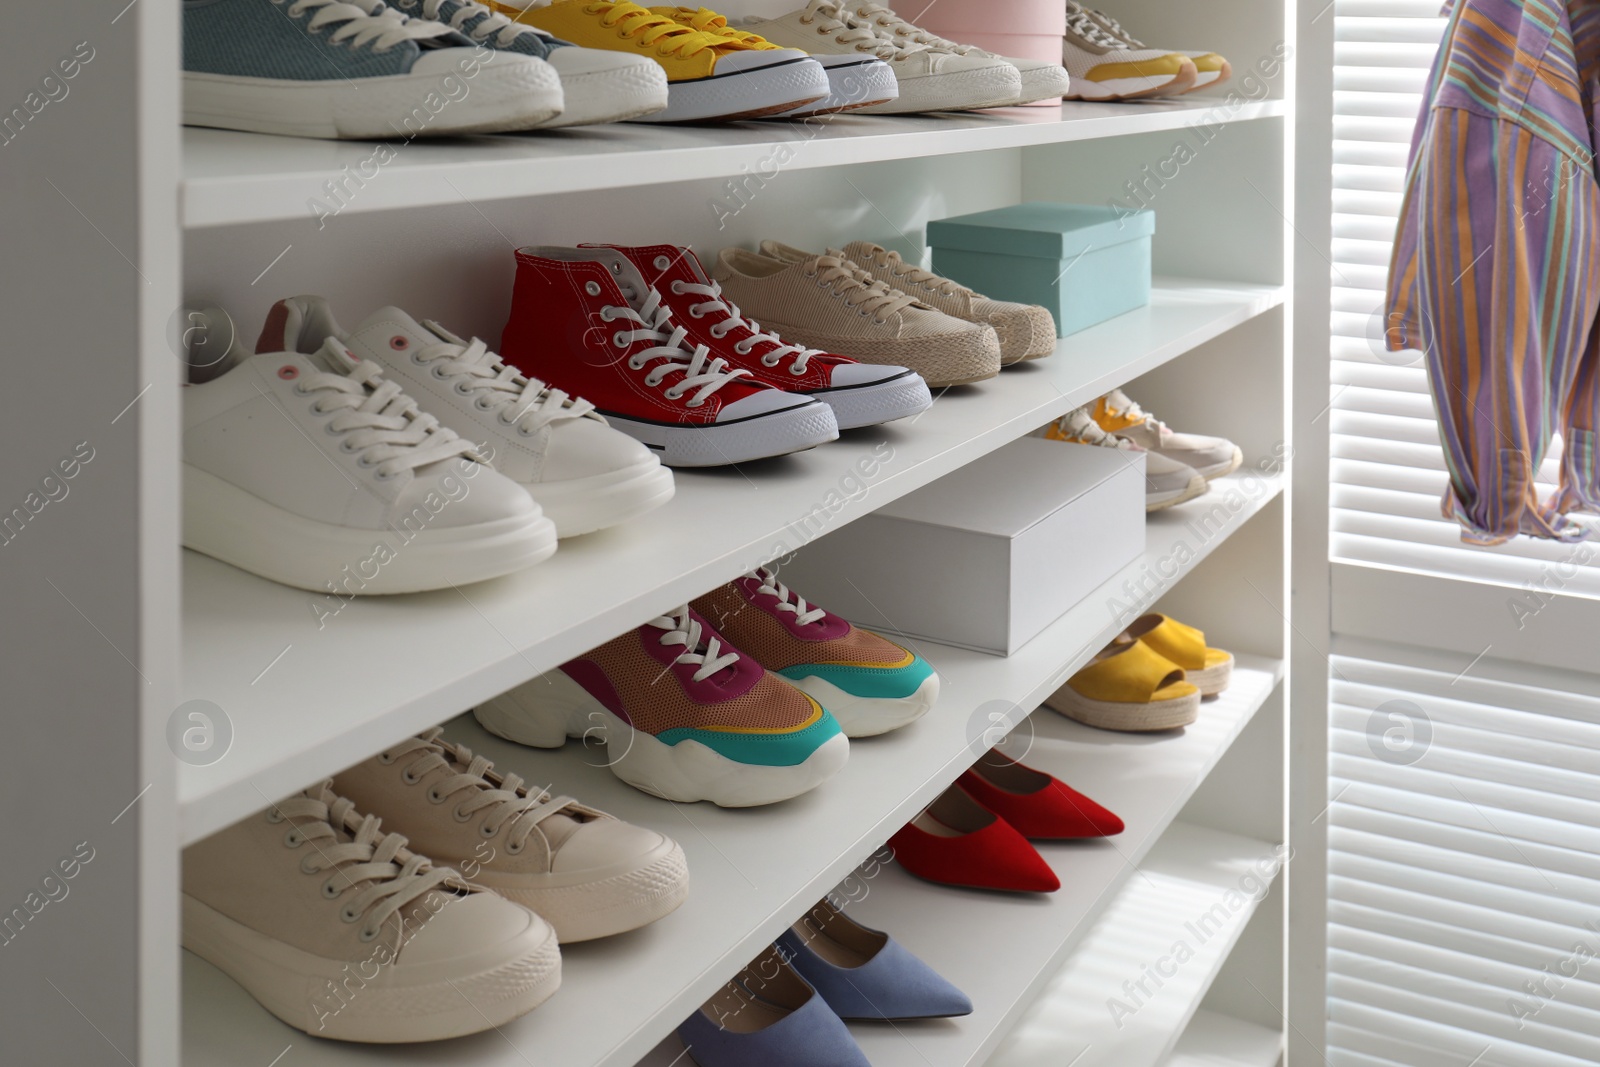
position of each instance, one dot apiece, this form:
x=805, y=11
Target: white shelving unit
x=222, y=218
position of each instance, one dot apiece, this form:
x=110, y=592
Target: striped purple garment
x=1496, y=269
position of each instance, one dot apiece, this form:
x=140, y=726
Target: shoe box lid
x=1042, y=230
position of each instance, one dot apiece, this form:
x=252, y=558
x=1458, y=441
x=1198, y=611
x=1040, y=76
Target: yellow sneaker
x=854, y=80
x=709, y=78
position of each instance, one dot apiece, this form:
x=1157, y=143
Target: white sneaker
x=585, y=475
x=1106, y=67
x=1040, y=80
x=315, y=471
x=341, y=931
x=1166, y=481
x=927, y=80
x=1211, y=457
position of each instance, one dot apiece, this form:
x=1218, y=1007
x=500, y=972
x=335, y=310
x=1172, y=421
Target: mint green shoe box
x=1085, y=263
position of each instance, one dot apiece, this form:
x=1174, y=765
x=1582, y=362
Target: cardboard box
x=988, y=555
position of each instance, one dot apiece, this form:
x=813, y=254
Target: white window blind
x=1464, y=871
x=1388, y=472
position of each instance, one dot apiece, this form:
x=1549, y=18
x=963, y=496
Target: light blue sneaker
x=599, y=85
x=352, y=68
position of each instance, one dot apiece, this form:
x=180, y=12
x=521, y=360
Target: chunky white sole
x=869, y=716
x=744, y=94
x=1130, y=88
x=958, y=90
x=610, y=96
x=870, y=405
x=515, y=95
x=237, y=527
x=599, y=903
x=852, y=83
x=583, y=505
x=1043, y=83
x=551, y=708
x=1227, y=466
x=1160, y=501
x=369, y=1000
x=719, y=444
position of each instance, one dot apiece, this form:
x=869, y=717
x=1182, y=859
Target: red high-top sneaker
x=585, y=320
x=861, y=394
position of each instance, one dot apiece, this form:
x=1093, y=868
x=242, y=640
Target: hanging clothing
x=1496, y=268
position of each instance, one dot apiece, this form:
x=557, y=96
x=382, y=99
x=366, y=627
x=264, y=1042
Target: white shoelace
x=508, y=802
x=1079, y=425
x=379, y=421
x=685, y=630
x=1116, y=28
x=524, y=402
x=788, y=599
x=365, y=22
x=831, y=16
x=370, y=858
x=914, y=274
x=1118, y=400
x=655, y=324
x=715, y=303
x=1080, y=22
x=504, y=30
x=907, y=32
x=860, y=290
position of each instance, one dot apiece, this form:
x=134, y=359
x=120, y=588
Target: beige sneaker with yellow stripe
x=1166, y=481
x=1210, y=68
x=1104, y=66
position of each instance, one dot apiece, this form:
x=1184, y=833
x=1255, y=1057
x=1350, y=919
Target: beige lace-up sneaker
x=828, y=302
x=340, y=930
x=1026, y=331
x=585, y=872
x=1166, y=481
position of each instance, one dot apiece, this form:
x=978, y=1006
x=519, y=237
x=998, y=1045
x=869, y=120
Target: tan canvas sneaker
x=585, y=872
x=827, y=302
x=340, y=930
x=1026, y=331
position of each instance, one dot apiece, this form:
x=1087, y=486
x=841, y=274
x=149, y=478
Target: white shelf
x=755, y=870
x=1194, y=891
x=304, y=702
x=1215, y=1040
x=231, y=178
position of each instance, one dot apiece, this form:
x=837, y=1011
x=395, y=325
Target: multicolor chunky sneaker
x=1211, y=457
x=1104, y=66
x=860, y=394
x=584, y=872
x=1210, y=68
x=869, y=683
x=1166, y=481
x=709, y=78
x=1026, y=331
x=684, y=715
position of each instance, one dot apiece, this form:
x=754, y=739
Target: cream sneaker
x=1026, y=331
x=1211, y=457
x=1166, y=481
x=927, y=80
x=830, y=303
x=581, y=472
x=586, y=873
x=314, y=470
x=1040, y=80
x=1104, y=66
x=341, y=931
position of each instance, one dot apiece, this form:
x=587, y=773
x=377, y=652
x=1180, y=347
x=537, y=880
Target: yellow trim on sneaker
x=709, y=22
x=1163, y=66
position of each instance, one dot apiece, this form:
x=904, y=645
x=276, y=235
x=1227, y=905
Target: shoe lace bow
x=701, y=650
x=788, y=599
x=859, y=289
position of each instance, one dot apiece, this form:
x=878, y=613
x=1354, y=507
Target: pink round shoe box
x=1032, y=29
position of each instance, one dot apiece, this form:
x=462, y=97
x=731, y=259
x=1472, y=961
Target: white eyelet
x=616, y=268
x=317, y=408
x=719, y=331
x=309, y=865
x=608, y=313
x=695, y=404
x=769, y=361
x=483, y=403
x=616, y=339
x=662, y=263
x=329, y=890
x=439, y=372
x=384, y=476
x=514, y=848
x=636, y=364
x=696, y=313
x=483, y=829
x=300, y=389
x=592, y=288
x=408, y=778
x=796, y=370
x=672, y=394
x=463, y=388
x=366, y=934
x=880, y=322
x=365, y=462
x=274, y=815
x=293, y=839
x=461, y=816
x=434, y=796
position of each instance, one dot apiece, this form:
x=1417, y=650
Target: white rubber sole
x=583, y=505
x=343, y=1000
x=1217, y=470
x=745, y=94
x=610, y=96
x=869, y=716
x=517, y=93
x=599, y=903
x=545, y=712
x=1130, y=88
x=870, y=405
x=720, y=444
x=1160, y=501
x=232, y=525
x=1125, y=717
x=852, y=83
x=1044, y=83
x=959, y=90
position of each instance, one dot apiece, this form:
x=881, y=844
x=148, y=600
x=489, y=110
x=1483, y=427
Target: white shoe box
x=988, y=555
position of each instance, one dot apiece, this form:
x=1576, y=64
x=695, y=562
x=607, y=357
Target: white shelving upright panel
x=212, y=217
